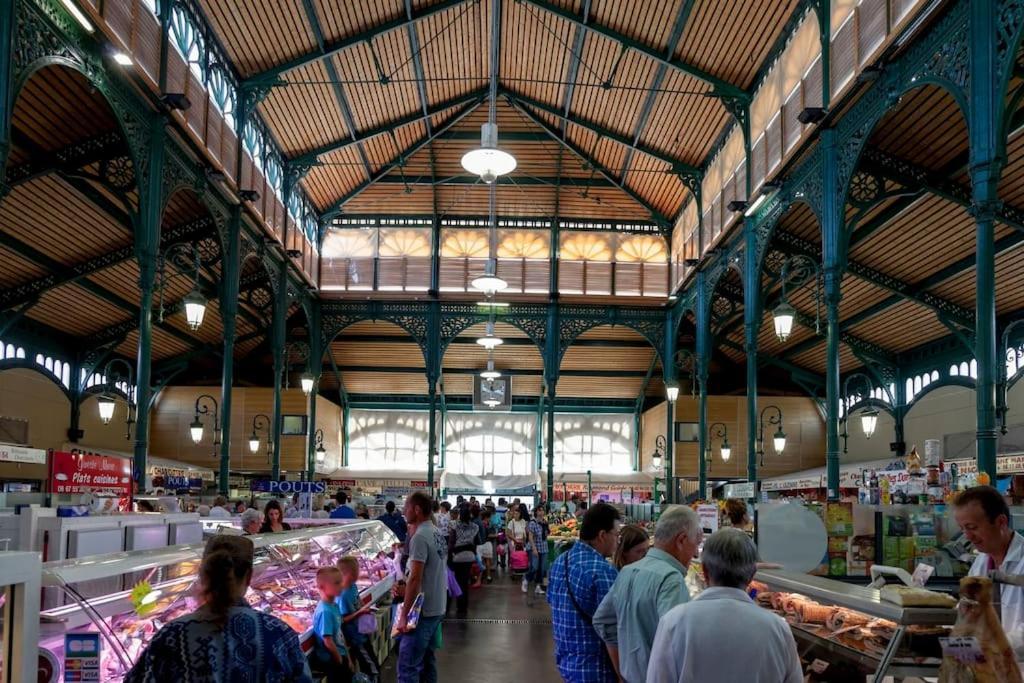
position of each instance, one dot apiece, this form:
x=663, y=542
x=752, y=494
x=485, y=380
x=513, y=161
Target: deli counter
x=127, y=597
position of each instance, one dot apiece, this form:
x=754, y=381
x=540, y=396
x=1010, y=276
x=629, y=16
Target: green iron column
x=551, y=442
x=668, y=355
x=228, y=314
x=7, y=29
x=316, y=364
x=986, y=163
x=751, y=327
x=552, y=358
x=701, y=361
x=431, y=432
x=899, y=411
x=833, y=265
x=277, y=339
x=147, y=243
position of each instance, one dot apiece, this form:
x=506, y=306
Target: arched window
x=917, y=385
x=222, y=93
x=65, y=375
x=935, y=376
x=974, y=369
x=49, y=364
x=40, y=360
x=188, y=41
x=954, y=370
x=21, y=353
x=965, y=369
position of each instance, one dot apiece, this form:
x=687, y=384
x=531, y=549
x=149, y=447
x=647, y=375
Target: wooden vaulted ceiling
x=66, y=225
x=557, y=79
x=917, y=240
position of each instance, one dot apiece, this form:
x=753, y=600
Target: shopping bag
x=453, y=585
x=519, y=561
x=367, y=624
x=501, y=550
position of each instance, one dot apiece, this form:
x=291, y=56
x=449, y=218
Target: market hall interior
x=645, y=253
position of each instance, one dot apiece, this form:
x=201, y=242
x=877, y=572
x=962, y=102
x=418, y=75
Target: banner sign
x=89, y=473
x=1005, y=464
x=746, y=489
x=272, y=486
x=521, y=491
x=11, y=453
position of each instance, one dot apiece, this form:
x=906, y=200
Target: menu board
x=72, y=473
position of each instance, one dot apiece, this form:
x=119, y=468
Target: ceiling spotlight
x=79, y=16
x=736, y=205
x=121, y=58
x=176, y=101
x=249, y=195
x=293, y=253
x=488, y=161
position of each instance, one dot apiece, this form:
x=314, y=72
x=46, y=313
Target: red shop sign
x=88, y=473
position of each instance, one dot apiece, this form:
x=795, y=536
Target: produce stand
x=911, y=632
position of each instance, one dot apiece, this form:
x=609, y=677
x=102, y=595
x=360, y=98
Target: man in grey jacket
x=644, y=591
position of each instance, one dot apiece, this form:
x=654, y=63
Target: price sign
x=964, y=649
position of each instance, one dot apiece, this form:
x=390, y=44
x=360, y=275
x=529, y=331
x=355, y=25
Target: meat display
x=986, y=656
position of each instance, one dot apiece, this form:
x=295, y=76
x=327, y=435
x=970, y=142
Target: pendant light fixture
x=490, y=373
x=489, y=341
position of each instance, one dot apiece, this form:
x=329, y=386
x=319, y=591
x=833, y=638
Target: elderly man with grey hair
x=627, y=618
x=252, y=520
x=698, y=641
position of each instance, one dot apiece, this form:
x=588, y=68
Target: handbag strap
x=587, y=618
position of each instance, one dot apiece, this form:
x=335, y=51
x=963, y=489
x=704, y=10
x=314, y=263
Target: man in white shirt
x=984, y=518
x=722, y=635
x=220, y=508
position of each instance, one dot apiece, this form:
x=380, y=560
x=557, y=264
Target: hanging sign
x=273, y=486
x=89, y=473
x=708, y=514
x=11, y=453
x=746, y=489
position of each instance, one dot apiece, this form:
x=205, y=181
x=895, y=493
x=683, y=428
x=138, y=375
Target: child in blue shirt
x=332, y=657
x=351, y=609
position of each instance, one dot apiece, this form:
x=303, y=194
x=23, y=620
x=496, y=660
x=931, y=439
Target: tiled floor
x=483, y=648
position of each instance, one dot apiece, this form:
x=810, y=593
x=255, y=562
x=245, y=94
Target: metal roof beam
x=939, y=184
x=330, y=49
x=71, y=158
x=18, y=294
x=574, y=64
x=503, y=180
x=310, y=157
x=659, y=76
x=637, y=374
x=399, y=160
x=470, y=341
x=656, y=215
x=721, y=86
x=678, y=166
x=763, y=359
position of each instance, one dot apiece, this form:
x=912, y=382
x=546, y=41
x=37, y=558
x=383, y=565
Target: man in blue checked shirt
x=578, y=581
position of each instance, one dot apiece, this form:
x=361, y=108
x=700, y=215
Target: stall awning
x=627, y=478
x=815, y=478
x=517, y=485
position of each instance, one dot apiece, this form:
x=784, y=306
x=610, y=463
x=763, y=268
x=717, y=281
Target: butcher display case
x=845, y=632
x=154, y=587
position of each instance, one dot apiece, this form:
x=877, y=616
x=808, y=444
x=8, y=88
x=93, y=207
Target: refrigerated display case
x=852, y=630
x=19, y=605
x=157, y=586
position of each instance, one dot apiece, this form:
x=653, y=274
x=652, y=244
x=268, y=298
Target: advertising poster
x=102, y=475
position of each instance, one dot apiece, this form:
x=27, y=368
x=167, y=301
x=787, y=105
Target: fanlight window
x=404, y=243
x=465, y=244
x=586, y=246
x=523, y=244
x=641, y=248
x=350, y=244
x=187, y=40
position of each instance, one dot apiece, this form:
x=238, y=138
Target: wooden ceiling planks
x=534, y=60
x=648, y=22
x=58, y=107
x=343, y=19
x=17, y=270
x=732, y=39
x=629, y=74
x=684, y=122
x=65, y=309
x=961, y=289
x=901, y=327
x=927, y=128
x=454, y=50
x=305, y=115
x=260, y=34
x=50, y=216
x=372, y=100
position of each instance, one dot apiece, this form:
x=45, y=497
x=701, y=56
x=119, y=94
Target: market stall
x=370, y=485
x=625, y=487
x=150, y=588
x=524, y=487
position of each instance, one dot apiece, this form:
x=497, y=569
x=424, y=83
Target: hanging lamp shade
x=489, y=341
x=254, y=443
x=321, y=454
x=489, y=283
x=196, y=430
x=106, y=405
x=490, y=373
x=195, y=309
x=779, y=441
x=783, y=317
x=306, y=381
x=487, y=161
x=672, y=392
x=726, y=451
x=868, y=422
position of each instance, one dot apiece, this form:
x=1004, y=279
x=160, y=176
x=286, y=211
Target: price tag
x=922, y=573
x=818, y=666
x=966, y=650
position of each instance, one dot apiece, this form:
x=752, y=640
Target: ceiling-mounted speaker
x=809, y=115
x=176, y=101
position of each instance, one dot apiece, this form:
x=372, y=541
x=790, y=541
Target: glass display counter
x=846, y=632
x=157, y=586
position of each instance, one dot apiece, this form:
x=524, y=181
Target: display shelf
x=858, y=598
x=154, y=587
x=868, y=602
